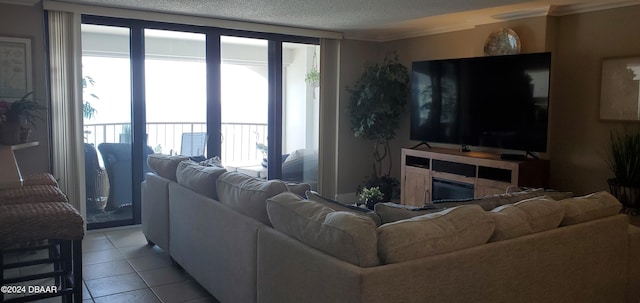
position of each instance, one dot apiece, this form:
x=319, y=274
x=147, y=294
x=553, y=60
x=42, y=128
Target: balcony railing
x=239, y=140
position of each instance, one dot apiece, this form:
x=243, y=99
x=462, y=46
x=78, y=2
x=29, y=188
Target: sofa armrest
x=215, y=244
x=155, y=210
x=290, y=271
x=633, y=288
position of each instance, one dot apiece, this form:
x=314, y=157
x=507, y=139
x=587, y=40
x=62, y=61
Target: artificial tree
x=377, y=101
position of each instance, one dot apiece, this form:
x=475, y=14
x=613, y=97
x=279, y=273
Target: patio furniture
x=117, y=162
x=94, y=175
x=193, y=144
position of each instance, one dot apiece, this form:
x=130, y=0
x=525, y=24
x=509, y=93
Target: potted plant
x=313, y=77
x=623, y=158
x=16, y=117
x=377, y=100
x=370, y=196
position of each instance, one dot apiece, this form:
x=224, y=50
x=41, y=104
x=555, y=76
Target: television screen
x=496, y=101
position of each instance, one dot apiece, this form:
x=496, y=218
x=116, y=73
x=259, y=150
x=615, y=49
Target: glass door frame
x=213, y=116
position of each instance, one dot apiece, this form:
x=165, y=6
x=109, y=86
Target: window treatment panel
x=65, y=68
x=329, y=91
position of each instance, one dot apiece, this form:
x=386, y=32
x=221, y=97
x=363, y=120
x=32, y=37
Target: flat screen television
x=494, y=101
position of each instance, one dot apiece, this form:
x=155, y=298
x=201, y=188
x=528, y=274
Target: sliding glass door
x=249, y=98
x=175, y=92
x=106, y=70
x=300, y=112
x=244, y=106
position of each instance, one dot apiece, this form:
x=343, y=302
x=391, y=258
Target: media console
x=438, y=173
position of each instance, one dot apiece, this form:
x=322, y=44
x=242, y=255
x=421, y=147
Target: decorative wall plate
x=503, y=41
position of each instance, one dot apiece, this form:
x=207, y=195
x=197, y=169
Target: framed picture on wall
x=620, y=89
x=15, y=67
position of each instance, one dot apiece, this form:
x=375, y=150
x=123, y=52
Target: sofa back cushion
x=589, y=207
x=511, y=222
x=336, y=205
x=392, y=212
x=201, y=179
x=164, y=165
x=299, y=189
x=344, y=235
x=492, y=201
x=248, y=195
x=542, y=213
x=432, y=234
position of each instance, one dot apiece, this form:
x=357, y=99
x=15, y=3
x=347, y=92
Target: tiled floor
x=119, y=266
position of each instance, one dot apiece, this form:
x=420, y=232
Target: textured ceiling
x=366, y=19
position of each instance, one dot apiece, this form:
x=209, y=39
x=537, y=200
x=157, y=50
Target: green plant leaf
x=623, y=157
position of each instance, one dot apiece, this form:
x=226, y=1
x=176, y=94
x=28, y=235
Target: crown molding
x=571, y=9
x=546, y=10
x=522, y=14
x=20, y=2
x=410, y=34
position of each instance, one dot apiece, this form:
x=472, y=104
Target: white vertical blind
x=329, y=91
x=66, y=104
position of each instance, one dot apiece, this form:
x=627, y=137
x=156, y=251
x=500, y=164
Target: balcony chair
x=94, y=179
x=117, y=161
x=193, y=144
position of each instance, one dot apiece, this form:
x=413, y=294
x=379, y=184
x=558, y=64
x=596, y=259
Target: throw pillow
x=589, y=207
x=248, y=195
x=487, y=203
x=213, y=161
x=510, y=223
x=164, y=165
x=299, y=189
x=392, y=212
x=201, y=179
x=433, y=234
x=344, y=235
x=339, y=206
x=492, y=201
x=551, y=193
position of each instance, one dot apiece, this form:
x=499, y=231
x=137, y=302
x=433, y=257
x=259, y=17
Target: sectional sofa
x=253, y=240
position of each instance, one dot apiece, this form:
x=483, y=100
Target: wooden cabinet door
x=417, y=186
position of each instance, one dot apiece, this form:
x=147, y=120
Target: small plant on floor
x=370, y=196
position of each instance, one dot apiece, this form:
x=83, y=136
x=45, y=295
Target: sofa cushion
x=299, y=189
x=164, y=165
x=201, y=179
x=589, y=207
x=542, y=213
x=32, y=194
x=248, y=195
x=336, y=205
x=344, y=235
x=551, y=193
x=492, y=201
x=392, y=212
x=432, y=234
x=511, y=222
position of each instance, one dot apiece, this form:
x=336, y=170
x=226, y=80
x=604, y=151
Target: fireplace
x=447, y=190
